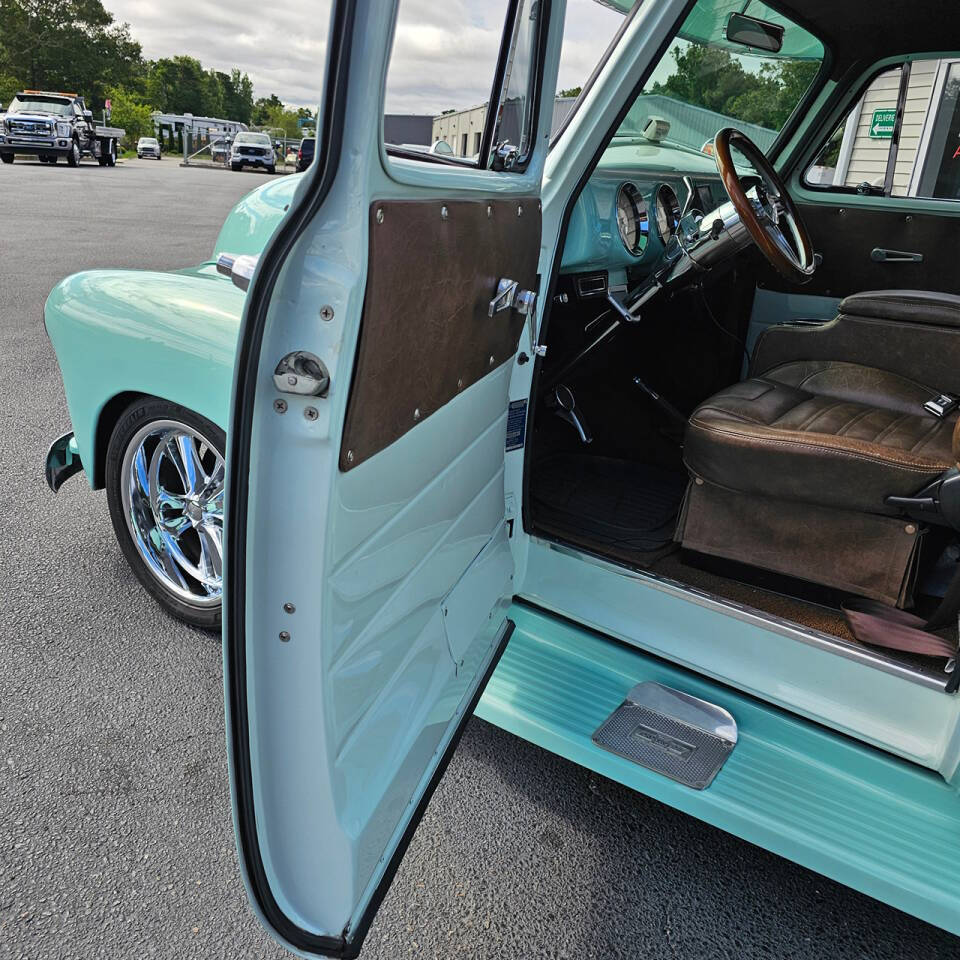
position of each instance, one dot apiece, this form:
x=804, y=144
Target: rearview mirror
x=750, y=32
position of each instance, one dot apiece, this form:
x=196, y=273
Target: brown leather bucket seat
x=791, y=468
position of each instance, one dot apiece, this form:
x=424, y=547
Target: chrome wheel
x=171, y=485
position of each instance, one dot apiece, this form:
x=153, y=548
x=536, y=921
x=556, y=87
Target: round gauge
x=668, y=212
x=632, y=218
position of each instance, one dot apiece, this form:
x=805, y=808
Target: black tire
x=112, y=153
x=73, y=157
x=271, y=169
x=235, y=166
x=133, y=422
x=6, y=157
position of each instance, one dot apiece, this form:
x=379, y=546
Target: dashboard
x=629, y=210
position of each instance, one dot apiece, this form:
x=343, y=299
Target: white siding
x=868, y=162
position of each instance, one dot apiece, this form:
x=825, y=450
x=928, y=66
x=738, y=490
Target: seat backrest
x=913, y=333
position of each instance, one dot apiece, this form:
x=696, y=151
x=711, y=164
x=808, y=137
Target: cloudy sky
x=444, y=51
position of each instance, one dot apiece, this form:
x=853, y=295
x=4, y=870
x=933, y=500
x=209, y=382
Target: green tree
x=264, y=108
x=66, y=45
x=570, y=92
x=237, y=96
x=128, y=112
x=8, y=87
x=710, y=77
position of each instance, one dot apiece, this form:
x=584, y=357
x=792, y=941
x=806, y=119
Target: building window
x=463, y=144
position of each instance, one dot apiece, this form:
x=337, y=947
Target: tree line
x=77, y=45
x=710, y=77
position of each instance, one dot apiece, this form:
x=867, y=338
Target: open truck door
x=368, y=570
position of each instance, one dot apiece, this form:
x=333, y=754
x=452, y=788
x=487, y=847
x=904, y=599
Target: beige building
x=461, y=129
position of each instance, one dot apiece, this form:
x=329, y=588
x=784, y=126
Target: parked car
x=611, y=453
x=148, y=147
x=305, y=153
x=252, y=150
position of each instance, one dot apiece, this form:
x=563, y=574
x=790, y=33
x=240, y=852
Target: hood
x=252, y=221
x=34, y=115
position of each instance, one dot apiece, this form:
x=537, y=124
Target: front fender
x=169, y=335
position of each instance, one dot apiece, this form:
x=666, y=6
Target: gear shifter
x=564, y=405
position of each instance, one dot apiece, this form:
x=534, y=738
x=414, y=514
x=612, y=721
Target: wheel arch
x=107, y=420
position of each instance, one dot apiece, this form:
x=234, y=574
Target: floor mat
x=611, y=503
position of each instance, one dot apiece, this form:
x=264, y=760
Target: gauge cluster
x=624, y=220
x=632, y=220
x=668, y=209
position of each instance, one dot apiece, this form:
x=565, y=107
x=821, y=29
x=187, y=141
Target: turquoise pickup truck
x=636, y=434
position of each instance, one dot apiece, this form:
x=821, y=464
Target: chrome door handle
x=880, y=255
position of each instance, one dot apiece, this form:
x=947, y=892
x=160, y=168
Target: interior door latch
x=303, y=373
x=509, y=295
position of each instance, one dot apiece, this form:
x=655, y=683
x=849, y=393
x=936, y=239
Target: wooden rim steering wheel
x=768, y=212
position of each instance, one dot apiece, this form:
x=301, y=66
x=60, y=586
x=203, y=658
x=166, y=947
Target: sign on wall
x=882, y=123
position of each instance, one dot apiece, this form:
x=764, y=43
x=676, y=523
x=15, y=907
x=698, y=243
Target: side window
x=445, y=70
x=901, y=138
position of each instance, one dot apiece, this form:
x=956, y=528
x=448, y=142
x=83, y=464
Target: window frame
x=485, y=158
x=903, y=63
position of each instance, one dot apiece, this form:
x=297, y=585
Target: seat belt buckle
x=941, y=405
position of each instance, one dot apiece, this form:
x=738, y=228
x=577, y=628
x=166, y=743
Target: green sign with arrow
x=882, y=124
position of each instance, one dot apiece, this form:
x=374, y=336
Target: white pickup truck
x=53, y=125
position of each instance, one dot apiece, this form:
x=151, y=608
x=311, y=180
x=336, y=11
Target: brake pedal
x=670, y=732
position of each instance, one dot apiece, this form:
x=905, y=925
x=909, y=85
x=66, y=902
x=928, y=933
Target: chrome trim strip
x=747, y=614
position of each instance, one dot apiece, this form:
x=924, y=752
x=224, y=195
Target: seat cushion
x=826, y=432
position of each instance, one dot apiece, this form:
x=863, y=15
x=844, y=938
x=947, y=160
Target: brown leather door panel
x=425, y=334
x=845, y=237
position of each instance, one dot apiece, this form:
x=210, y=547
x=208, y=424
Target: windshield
x=27, y=103
x=706, y=82
x=255, y=139
x=148, y=142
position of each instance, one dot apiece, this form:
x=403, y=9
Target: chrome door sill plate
x=670, y=732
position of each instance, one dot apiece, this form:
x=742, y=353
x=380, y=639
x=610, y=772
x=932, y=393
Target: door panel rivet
x=380, y=215
x=292, y=380
x=311, y=413
x=326, y=312
x=460, y=383
x=492, y=361
x=489, y=211
x=289, y=608
x=416, y=414
x=698, y=481
x=519, y=209
x=444, y=213
x=280, y=405
x=284, y=636
x=910, y=528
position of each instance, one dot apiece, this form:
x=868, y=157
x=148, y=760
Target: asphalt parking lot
x=115, y=831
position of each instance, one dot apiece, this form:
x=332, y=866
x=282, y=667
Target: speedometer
x=632, y=219
x=668, y=212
